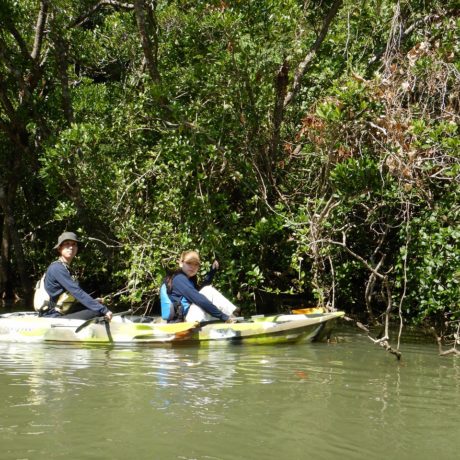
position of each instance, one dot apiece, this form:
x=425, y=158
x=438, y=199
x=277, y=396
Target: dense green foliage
x=311, y=146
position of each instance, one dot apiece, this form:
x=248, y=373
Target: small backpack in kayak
x=172, y=312
x=41, y=297
x=42, y=300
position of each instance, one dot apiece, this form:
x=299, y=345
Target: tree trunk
x=147, y=28
x=305, y=64
x=6, y=286
x=10, y=235
x=269, y=156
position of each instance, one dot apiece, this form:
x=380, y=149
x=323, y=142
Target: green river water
x=344, y=400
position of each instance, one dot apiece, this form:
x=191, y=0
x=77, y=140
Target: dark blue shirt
x=182, y=286
x=59, y=280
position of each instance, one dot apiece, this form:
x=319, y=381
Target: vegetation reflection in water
x=348, y=399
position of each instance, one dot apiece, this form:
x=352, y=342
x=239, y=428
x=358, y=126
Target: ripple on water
x=348, y=399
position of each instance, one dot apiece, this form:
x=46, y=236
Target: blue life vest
x=172, y=312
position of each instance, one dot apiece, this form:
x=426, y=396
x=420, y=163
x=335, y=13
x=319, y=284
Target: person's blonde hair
x=190, y=257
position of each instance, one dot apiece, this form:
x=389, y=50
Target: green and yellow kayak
x=28, y=327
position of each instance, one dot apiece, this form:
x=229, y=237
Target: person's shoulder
x=57, y=266
x=52, y=265
x=182, y=281
x=180, y=277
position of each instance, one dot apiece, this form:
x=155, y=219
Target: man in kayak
x=182, y=299
x=63, y=296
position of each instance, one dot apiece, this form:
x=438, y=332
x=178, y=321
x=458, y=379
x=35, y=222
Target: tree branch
x=9, y=64
x=80, y=20
x=450, y=351
x=60, y=48
x=426, y=21
x=356, y=256
x=145, y=25
x=39, y=30
x=6, y=103
x=18, y=37
x=304, y=65
x=269, y=160
x=383, y=341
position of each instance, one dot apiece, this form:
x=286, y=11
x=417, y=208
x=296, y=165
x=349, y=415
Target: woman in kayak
x=182, y=299
x=64, y=296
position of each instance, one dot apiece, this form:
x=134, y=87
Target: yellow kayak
x=28, y=327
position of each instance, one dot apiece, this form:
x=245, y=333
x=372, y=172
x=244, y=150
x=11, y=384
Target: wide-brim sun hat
x=66, y=236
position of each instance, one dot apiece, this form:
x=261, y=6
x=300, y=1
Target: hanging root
x=383, y=342
x=442, y=352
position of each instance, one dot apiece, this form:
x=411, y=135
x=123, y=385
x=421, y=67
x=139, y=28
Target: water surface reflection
x=344, y=400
